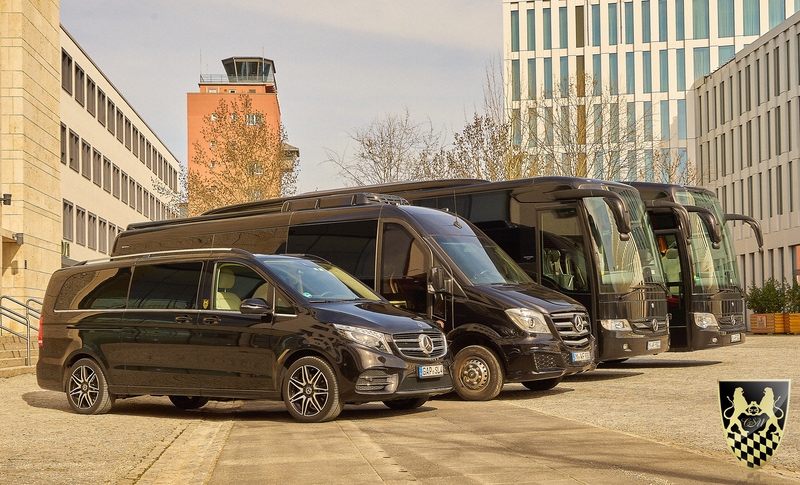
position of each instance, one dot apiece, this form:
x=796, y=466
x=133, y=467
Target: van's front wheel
x=87, y=388
x=478, y=375
x=311, y=391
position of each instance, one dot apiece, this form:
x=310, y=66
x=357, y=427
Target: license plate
x=654, y=345
x=581, y=356
x=430, y=371
x=736, y=337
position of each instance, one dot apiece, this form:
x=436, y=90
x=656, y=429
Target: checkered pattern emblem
x=754, y=417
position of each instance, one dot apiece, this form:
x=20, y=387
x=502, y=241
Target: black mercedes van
x=502, y=326
x=197, y=325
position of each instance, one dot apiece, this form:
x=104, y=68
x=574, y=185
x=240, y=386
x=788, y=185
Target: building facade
x=114, y=170
x=647, y=53
x=747, y=120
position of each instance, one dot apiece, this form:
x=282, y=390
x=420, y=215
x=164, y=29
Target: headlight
x=616, y=324
x=364, y=336
x=706, y=320
x=528, y=320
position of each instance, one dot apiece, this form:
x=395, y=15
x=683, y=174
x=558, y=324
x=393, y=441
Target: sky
x=339, y=64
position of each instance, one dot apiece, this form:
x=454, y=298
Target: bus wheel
x=477, y=374
x=542, y=384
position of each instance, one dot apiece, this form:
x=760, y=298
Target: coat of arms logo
x=754, y=418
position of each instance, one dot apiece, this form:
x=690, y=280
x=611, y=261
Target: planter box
x=769, y=322
x=794, y=322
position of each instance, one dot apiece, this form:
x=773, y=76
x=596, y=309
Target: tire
x=477, y=374
x=87, y=388
x=543, y=384
x=188, y=402
x=410, y=403
x=311, y=391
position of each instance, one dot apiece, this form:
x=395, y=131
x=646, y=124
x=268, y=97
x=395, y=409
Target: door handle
x=212, y=320
x=183, y=319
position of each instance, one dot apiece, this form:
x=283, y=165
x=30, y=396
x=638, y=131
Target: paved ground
x=649, y=420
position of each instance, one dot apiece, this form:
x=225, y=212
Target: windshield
x=713, y=269
x=318, y=281
x=482, y=261
x=623, y=264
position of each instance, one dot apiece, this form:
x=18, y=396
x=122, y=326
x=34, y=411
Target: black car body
x=227, y=324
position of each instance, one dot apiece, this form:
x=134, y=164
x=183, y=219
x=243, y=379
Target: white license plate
x=581, y=356
x=430, y=371
x=654, y=345
x=736, y=337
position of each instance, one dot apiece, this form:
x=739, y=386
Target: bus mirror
x=679, y=211
x=754, y=225
x=621, y=216
x=440, y=281
x=710, y=221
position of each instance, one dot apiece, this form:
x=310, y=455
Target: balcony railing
x=225, y=79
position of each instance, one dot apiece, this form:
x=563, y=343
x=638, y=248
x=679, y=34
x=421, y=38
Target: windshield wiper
x=634, y=289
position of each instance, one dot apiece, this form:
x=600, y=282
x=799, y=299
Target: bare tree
x=392, y=149
x=247, y=159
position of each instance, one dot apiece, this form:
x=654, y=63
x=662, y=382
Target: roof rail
x=347, y=200
x=169, y=252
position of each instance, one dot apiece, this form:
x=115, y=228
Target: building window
x=752, y=17
x=532, y=79
x=647, y=72
x=97, y=168
x=665, y=120
x=748, y=89
x=749, y=143
x=629, y=22
x=662, y=20
x=68, y=220
x=128, y=133
x=564, y=79
x=64, y=143
x=101, y=107
x=726, y=53
x=111, y=117
x=681, y=119
x=74, y=151
x=630, y=70
x=758, y=82
x=91, y=242
x=80, y=226
x=777, y=12
x=531, y=30
x=779, y=188
x=663, y=60
x=648, y=121
x=612, y=24
x=680, y=31
x=515, y=31
x=613, y=74
x=120, y=126
x=680, y=67
x=115, y=182
x=515, y=84
x=580, y=40
x=80, y=85
x=66, y=72
x=547, y=26
x=123, y=193
x=102, y=236
x=596, y=25
x=107, y=175
x=700, y=19
x=778, y=126
x=597, y=73
x=112, y=235
x=702, y=62
x=646, y=21
x=563, y=31
x=91, y=96
x=725, y=18
x=776, y=61
x=548, y=77
x=86, y=160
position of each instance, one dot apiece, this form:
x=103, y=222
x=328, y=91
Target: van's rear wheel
x=188, y=402
x=87, y=388
x=478, y=375
x=410, y=403
x=311, y=391
x=542, y=384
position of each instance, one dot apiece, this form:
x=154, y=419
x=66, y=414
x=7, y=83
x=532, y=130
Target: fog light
x=625, y=347
x=376, y=381
x=714, y=340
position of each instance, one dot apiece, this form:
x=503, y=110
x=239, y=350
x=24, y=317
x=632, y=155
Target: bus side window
x=404, y=275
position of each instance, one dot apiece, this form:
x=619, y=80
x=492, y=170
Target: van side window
x=234, y=283
x=404, y=274
x=165, y=286
x=349, y=245
x=105, y=288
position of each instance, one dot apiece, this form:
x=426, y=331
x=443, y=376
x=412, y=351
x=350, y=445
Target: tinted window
x=99, y=289
x=349, y=245
x=404, y=274
x=172, y=285
x=262, y=241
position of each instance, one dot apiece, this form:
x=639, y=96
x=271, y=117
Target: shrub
x=770, y=298
x=793, y=297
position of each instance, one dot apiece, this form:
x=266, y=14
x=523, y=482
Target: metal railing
x=232, y=79
x=31, y=309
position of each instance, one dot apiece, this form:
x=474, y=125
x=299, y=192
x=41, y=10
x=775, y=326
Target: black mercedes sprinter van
x=502, y=327
x=226, y=324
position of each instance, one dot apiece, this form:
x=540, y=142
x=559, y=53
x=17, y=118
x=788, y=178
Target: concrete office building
x=111, y=161
x=648, y=51
x=747, y=120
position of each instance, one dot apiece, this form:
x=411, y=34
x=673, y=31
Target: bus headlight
x=616, y=325
x=528, y=320
x=706, y=321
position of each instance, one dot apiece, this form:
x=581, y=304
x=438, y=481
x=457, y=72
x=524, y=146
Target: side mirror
x=754, y=225
x=621, y=216
x=440, y=281
x=710, y=221
x=255, y=306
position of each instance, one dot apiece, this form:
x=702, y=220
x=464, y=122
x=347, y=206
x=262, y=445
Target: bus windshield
x=482, y=261
x=713, y=269
x=623, y=265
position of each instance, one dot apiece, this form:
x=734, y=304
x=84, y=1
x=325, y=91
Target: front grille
x=411, y=344
x=646, y=325
x=568, y=328
x=545, y=362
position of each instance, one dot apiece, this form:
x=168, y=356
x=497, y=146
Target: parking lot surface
x=648, y=420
